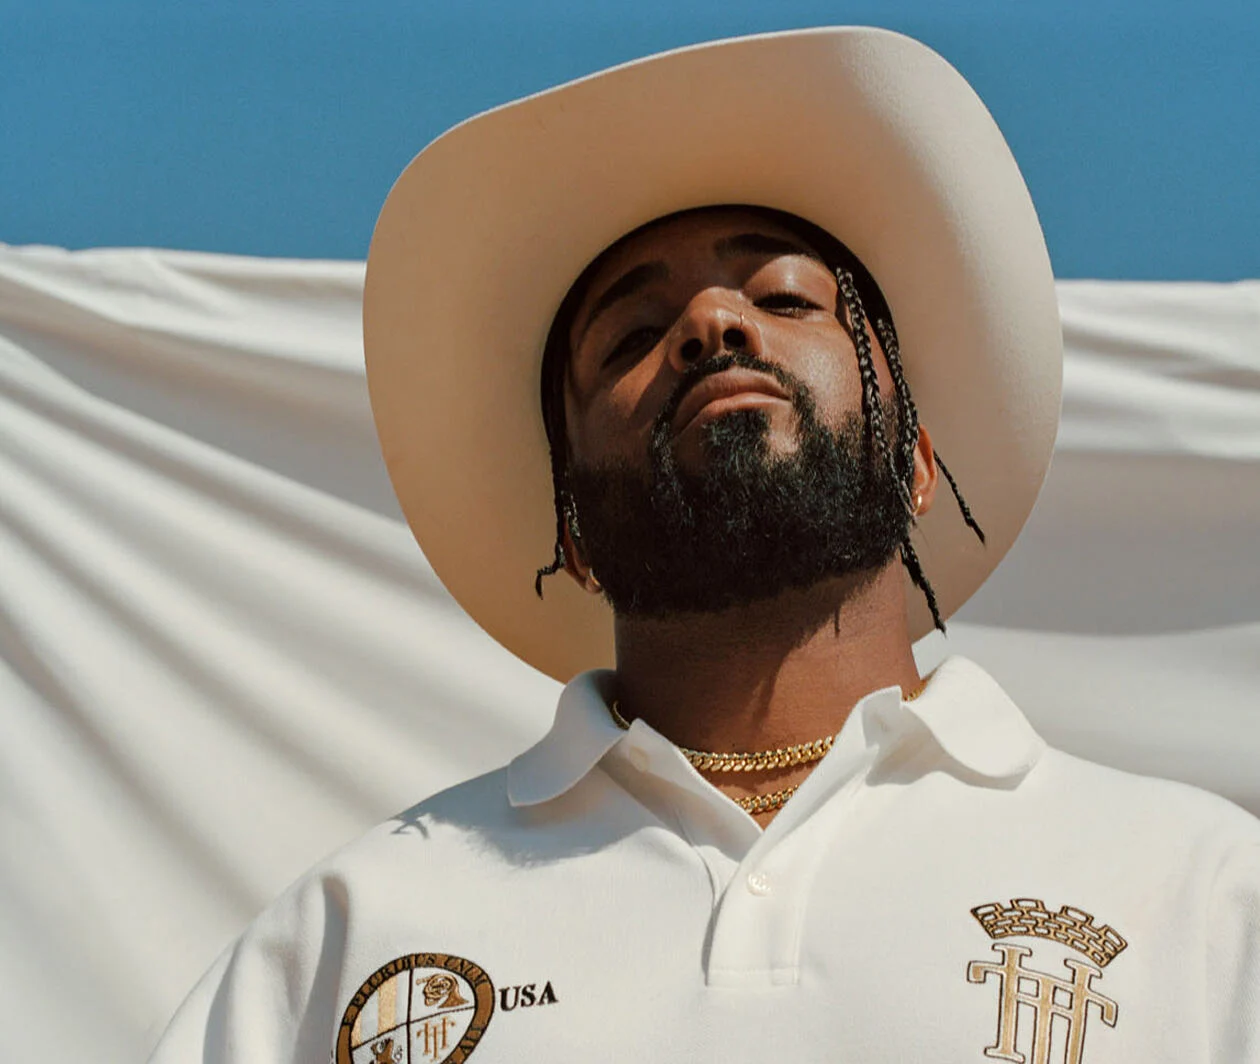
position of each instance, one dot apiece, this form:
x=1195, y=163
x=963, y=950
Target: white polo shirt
x=943, y=887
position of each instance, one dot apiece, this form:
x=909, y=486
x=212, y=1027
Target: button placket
x=755, y=939
x=718, y=832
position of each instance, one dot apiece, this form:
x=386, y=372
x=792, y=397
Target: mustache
x=794, y=386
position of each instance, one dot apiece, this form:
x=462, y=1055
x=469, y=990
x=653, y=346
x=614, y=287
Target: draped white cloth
x=222, y=654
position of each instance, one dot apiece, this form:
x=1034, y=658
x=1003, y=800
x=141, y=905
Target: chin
x=782, y=441
x=751, y=431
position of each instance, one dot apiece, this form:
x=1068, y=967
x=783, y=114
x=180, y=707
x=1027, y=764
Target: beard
x=751, y=524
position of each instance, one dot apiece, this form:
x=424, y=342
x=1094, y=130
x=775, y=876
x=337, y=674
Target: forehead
x=690, y=233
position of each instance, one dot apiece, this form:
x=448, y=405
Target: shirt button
x=759, y=884
x=639, y=758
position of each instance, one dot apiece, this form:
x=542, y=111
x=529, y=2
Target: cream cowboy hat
x=867, y=133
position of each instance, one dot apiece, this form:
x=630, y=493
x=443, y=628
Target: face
x=689, y=288
x=718, y=452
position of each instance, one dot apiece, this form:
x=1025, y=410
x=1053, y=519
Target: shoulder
x=437, y=830
x=273, y=993
x=1080, y=793
x=401, y=851
x=1171, y=816
x=471, y=834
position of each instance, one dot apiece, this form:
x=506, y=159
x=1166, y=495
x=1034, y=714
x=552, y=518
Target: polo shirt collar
x=972, y=719
x=583, y=732
x=968, y=714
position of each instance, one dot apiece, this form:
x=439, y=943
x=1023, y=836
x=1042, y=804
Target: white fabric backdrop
x=222, y=655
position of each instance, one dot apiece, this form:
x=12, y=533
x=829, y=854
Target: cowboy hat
x=864, y=132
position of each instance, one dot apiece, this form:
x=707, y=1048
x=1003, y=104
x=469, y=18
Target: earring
x=918, y=502
x=592, y=582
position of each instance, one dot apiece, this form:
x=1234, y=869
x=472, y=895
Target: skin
x=790, y=669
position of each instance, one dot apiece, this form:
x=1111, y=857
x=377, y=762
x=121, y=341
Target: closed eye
x=637, y=341
x=789, y=303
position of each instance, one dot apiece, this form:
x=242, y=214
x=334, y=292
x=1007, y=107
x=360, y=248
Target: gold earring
x=918, y=502
x=592, y=582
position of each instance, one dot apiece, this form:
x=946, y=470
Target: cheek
x=830, y=371
x=827, y=363
x=615, y=422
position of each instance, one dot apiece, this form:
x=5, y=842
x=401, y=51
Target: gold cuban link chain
x=760, y=761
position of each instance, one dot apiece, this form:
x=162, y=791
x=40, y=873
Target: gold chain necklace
x=760, y=761
x=783, y=757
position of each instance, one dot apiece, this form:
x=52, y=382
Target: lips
x=721, y=386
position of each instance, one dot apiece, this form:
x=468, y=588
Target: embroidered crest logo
x=425, y=1008
x=1040, y=1013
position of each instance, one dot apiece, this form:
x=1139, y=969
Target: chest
x=872, y=955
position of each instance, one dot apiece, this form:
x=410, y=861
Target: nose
x=712, y=324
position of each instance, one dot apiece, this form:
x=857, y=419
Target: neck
x=787, y=670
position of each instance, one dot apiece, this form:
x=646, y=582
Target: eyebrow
x=730, y=247
x=633, y=280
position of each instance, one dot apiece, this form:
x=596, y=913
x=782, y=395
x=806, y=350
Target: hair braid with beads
x=851, y=276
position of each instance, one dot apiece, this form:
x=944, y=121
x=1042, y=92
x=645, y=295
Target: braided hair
x=863, y=303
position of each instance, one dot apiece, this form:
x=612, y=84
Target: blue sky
x=276, y=128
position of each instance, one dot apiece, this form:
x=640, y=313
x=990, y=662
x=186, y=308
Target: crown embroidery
x=1074, y=928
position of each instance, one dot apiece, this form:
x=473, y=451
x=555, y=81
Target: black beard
x=663, y=541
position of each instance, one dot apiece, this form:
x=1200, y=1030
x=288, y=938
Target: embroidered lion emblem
x=441, y=991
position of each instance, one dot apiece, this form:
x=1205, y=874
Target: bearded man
x=763, y=286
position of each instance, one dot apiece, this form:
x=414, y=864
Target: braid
x=555, y=359
x=909, y=415
x=962, y=503
x=907, y=411
x=911, y=561
x=901, y=464
x=910, y=427
x=560, y=496
x=871, y=404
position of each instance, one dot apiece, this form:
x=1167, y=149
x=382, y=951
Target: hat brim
x=864, y=132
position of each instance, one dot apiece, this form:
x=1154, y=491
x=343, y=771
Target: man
x=763, y=286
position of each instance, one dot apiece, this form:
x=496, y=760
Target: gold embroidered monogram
x=425, y=1008
x=1058, y=1007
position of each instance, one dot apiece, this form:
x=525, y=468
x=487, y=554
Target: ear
x=576, y=566
x=923, y=486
